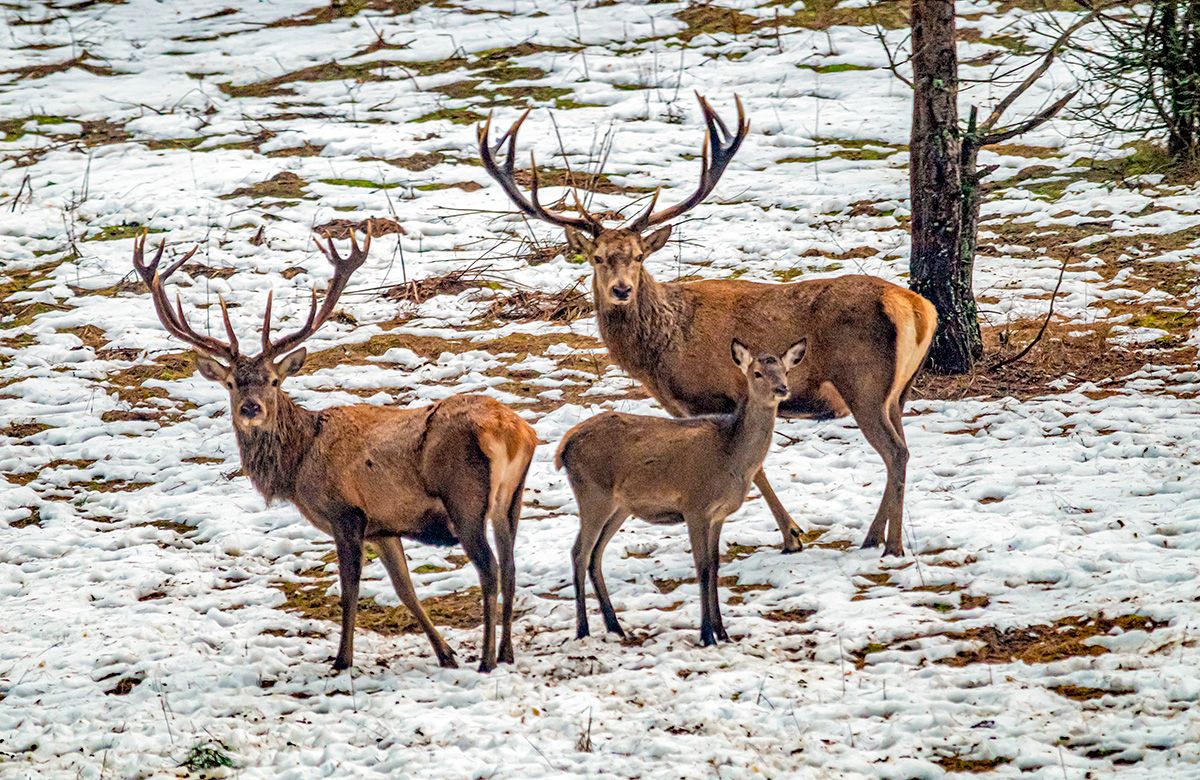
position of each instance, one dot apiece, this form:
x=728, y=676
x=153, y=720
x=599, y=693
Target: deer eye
x=275, y=382
x=758, y=375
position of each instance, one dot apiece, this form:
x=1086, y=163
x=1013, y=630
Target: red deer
x=693, y=470
x=866, y=337
x=437, y=474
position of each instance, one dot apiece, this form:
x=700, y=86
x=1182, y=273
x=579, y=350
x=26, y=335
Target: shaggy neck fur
x=639, y=333
x=271, y=456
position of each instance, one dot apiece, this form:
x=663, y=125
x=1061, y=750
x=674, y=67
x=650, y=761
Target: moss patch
x=121, y=232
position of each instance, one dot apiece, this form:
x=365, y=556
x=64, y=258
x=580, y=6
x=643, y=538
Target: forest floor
x=159, y=620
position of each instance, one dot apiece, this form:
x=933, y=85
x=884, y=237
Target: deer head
x=615, y=254
x=253, y=381
x=766, y=374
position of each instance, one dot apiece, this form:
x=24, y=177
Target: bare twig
x=1045, y=323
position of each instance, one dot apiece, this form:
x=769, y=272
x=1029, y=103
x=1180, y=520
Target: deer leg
x=611, y=526
x=504, y=530
x=348, y=532
x=876, y=424
x=466, y=502
x=391, y=550
x=714, y=558
x=787, y=526
x=485, y=564
x=698, y=530
x=592, y=520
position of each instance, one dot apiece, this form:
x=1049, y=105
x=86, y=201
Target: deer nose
x=781, y=391
x=250, y=410
x=621, y=291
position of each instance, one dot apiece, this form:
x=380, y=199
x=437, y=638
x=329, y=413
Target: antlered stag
x=693, y=470
x=363, y=473
x=866, y=337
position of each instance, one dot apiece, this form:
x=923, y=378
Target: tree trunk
x=942, y=245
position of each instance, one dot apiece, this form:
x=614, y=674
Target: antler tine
x=718, y=149
x=504, y=174
x=233, y=342
x=342, y=269
x=176, y=265
x=266, y=326
x=642, y=220
x=144, y=269
x=173, y=320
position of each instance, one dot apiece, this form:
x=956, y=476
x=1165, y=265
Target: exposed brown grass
x=84, y=61
x=1083, y=693
x=1076, y=352
x=285, y=185
x=21, y=430
x=971, y=765
x=341, y=228
x=566, y=305
x=1045, y=643
x=308, y=598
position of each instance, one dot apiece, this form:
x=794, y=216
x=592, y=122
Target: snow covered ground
x=1043, y=623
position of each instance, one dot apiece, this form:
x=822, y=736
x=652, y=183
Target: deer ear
x=211, y=369
x=577, y=242
x=290, y=363
x=658, y=239
x=741, y=355
x=795, y=354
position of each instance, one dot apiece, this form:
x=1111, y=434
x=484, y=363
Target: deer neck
x=750, y=433
x=271, y=457
x=638, y=334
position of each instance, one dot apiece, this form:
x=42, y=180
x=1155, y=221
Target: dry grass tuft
x=21, y=430
x=1076, y=352
x=341, y=228
x=1040, y=644
x=567, y=305
x=309, y=599
x=285, y=185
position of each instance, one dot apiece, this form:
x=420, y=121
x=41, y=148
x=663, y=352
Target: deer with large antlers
x=866, y=337
x=437, y=474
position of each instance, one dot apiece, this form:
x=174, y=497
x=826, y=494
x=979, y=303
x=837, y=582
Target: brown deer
x=437, y=474
x=693, y=470
x=866, y=337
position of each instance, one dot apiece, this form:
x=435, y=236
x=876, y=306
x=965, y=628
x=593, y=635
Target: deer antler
x=342, y=269
x=173, y=319
x=504, y=176
x=723, y=145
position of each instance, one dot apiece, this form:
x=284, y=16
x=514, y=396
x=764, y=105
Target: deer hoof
x=340, y=664
x=889, y=550
x=791, y=542
x=486, y=666
x=448, y=661
x=506, y=655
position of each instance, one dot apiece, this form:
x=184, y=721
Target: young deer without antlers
x=866, y=338
x=365, y=473
x=693, y=470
